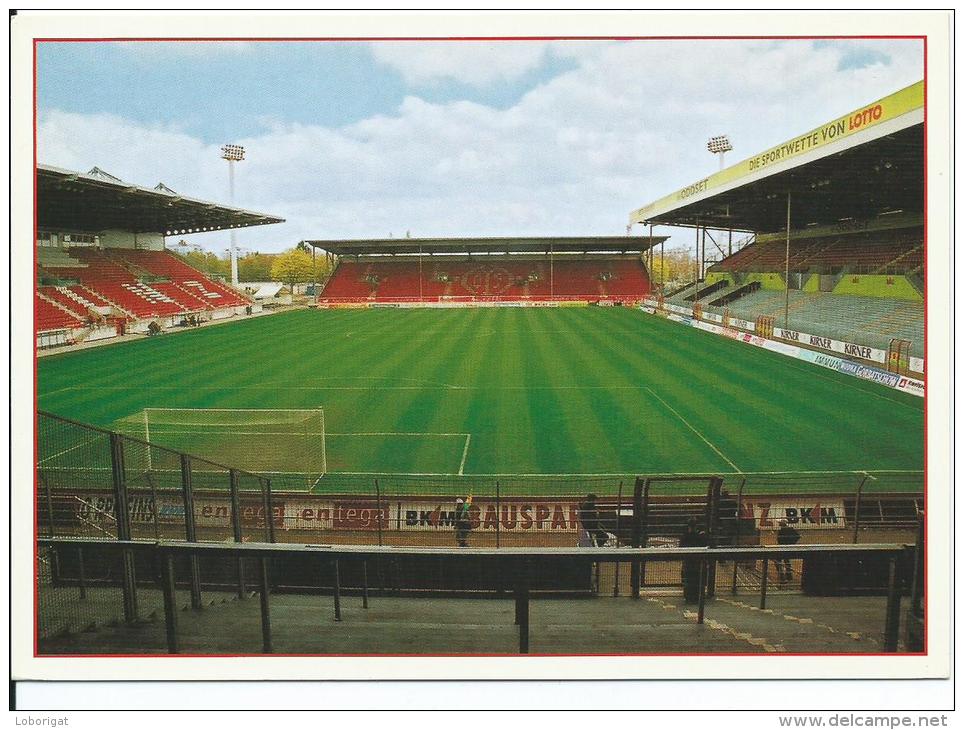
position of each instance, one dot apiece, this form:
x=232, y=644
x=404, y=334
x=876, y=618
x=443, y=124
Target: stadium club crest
x=483, y=281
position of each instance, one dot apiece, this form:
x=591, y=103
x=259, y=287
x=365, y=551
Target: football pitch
x=503, y=391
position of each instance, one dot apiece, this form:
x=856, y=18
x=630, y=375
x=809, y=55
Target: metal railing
x=520, y=567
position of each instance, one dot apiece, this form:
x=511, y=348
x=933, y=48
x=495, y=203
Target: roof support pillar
x=652, y=254
x=662, y=266
x=703, y=256
x=696, y=254
x=713, y=241
x=786, y=272
x=552, y=286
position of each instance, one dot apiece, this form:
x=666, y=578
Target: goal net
x=285, y=444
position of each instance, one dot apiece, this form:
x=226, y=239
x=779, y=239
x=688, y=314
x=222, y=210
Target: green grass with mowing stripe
x=551, y=391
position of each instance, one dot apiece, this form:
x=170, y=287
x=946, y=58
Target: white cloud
x=476, y=63
x=573, y=156
x=136, y=153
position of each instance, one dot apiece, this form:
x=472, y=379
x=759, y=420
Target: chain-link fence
x=93, y=482
x=96, y=483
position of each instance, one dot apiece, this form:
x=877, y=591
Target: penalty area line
x=465, y=453
x=395, y=433
x=51, y=457
x=692, y=428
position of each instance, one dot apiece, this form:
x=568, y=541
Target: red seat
x=90, y=296
x=54, y=294
x=201, y=290
x=122, y=278
x=113, y=278
x=50, y=317
x=509, y=278
x=111, y=281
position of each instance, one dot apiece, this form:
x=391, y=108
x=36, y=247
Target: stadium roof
x=97, y=201
x=555, y=244
x=862, y=165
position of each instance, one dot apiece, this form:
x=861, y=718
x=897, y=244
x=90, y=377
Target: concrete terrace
x=658, y=623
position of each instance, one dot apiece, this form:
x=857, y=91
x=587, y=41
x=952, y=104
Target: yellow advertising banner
x=890, y=107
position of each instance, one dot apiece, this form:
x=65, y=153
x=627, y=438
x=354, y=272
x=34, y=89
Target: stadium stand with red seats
x=501, y=278
x=50, y=317
x=187, y=279
x=58, y=296
x=100, y=257
x=130, y=281
x=85, y=296
x=136, y=284
x=118, y=285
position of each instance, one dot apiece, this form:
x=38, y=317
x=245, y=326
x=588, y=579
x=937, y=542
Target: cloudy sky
x=460, y=138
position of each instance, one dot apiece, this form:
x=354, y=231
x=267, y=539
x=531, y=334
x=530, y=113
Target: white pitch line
x=694, y=430
x=58, y=390
x=394, y=433
x=65, y=451
x=215, y=432
x=232, y=410
x=465, y=453
x=548, y=475
x=211, y=432
x=645, y=471
x=272, y=386
x=852, y=386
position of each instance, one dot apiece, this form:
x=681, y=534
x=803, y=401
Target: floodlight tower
x=232, y=153
x=719, y=146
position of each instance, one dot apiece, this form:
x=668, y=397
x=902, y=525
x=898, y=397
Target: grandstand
x=101, y=265
x=897, y=252
x=433, y=271
x=849, y=269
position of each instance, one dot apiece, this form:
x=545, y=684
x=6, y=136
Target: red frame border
x=37, y=41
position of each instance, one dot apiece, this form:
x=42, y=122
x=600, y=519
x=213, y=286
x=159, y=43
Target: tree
x=322, y=269
x=292, y=267
x=255, y=267
x=206, y=262
x=678, y=265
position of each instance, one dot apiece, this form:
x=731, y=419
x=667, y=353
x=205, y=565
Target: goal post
x=287, y=445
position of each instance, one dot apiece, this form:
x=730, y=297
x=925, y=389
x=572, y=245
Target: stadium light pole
x=232, y=153
x=719, y=145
